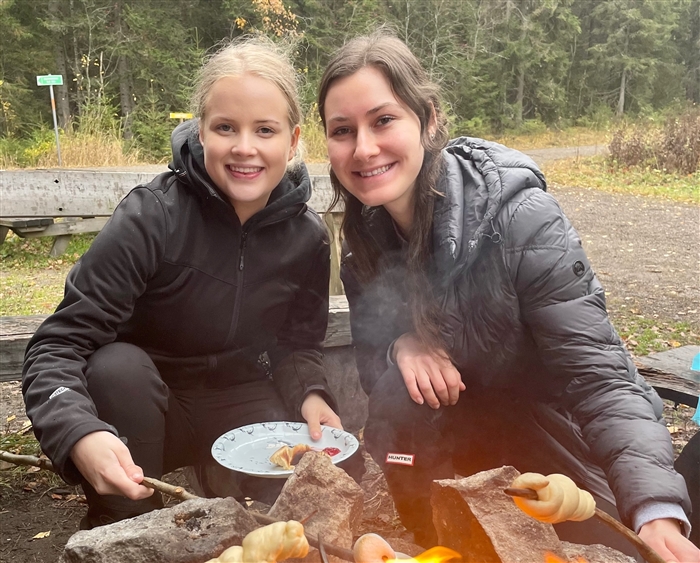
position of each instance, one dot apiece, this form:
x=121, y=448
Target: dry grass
x=82, y=150
x=571, y=137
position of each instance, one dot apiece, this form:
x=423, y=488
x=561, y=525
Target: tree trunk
x=126, y=98
x=621, y=99
x=126, y=86
x=520, y=95
x=62, y=102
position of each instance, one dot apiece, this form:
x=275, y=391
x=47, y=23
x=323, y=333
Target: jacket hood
x=287, y=199
x=478, y=178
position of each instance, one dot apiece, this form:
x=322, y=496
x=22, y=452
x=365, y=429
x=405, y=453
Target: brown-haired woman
x=480, y=329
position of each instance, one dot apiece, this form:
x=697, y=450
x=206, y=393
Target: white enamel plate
x=248, y=449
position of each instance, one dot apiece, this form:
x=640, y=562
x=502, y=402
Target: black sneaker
x=88, y=522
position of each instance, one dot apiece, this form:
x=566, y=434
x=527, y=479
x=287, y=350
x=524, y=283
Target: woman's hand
x=316, y=412
x=106, y=464
x=664, y=536
x=427, y=375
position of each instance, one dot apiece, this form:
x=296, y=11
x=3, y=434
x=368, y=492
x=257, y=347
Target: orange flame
x=551, y=558
x=437, y=554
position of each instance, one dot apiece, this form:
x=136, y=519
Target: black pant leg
x=397, y=425
x=130, y=395
x=688, y=465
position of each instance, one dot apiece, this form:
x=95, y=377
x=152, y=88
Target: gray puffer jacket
x=525, y=313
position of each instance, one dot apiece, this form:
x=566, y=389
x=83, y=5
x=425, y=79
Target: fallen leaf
x=54, y=496
x=33, y=469
x=11, y=417
x=41, y=535
x=675, y=344
x=673, y=429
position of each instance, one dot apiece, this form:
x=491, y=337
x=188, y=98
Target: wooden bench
x=61, y=203
x=339, y=361
x=15, y=333
x=670, y=374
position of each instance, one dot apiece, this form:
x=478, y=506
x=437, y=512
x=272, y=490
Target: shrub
x=673, y=147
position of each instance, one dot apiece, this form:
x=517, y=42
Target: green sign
x=50, y=80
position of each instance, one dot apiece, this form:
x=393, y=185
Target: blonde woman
x=202, y=305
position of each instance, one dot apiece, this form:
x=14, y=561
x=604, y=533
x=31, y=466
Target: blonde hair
x=256, y=55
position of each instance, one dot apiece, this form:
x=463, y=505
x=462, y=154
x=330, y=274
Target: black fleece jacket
x=175, y=273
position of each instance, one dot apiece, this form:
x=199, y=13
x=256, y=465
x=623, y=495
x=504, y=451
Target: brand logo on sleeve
x=400, y=459
x=58, y=391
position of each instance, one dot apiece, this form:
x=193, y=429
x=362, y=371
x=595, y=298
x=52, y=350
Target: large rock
x=190, y=532
x=474, y=517
x=594, y=553
x=327, y=496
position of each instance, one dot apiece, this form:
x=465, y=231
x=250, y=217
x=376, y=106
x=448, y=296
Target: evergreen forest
x=503, y=64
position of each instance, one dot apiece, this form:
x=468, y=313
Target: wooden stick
x=644, y=549
x=162, y=487
x=181, y=494
x=30, y=460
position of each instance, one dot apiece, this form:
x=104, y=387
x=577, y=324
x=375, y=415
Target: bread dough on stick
x=269, y=544
x=559, y=499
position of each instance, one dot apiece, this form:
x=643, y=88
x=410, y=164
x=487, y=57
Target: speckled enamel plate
x=248, y=449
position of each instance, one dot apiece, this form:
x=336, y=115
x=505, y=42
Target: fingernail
x=135, y=476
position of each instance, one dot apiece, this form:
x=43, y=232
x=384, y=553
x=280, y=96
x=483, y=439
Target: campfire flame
x=551, y=558
x=437, y=554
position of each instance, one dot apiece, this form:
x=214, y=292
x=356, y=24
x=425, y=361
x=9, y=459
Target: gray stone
x=594, y=553
x=190, y=532
x=476, y=518
x=344, y=382
x=327, y=496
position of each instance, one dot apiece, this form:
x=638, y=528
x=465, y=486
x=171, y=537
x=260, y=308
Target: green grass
x=598, y=173
x=31, y=283
x=644, y=336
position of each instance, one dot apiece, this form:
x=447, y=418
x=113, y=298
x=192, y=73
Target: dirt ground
x=644, y=250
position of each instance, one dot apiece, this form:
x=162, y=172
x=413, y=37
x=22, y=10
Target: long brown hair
x=411, y=85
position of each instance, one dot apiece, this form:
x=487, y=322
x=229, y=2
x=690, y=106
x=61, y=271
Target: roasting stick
x=644, y=549
x=180, y=494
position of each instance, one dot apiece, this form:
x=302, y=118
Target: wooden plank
x=338, y=332
x=15, y=333
x=74, y=227
x=91, y=193
x=670, y=374
x=24, y=222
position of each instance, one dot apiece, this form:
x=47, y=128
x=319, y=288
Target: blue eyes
x=226, y=128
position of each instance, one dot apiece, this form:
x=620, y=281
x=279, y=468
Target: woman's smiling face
x=247, y=140
x=374, y=141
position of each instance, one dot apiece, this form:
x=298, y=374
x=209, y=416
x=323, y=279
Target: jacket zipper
x=244, y=238
x=239, y=289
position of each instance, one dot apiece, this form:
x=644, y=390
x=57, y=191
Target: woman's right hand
x=428, y=375
x=106, y=464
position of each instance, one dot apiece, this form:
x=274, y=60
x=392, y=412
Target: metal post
x=55, y=124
